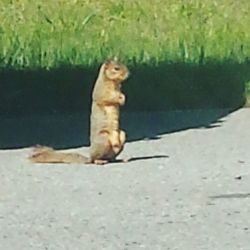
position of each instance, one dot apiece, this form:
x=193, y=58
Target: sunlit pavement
x=186, y=187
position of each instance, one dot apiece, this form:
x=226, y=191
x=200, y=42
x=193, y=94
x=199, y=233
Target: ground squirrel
x=106, y=138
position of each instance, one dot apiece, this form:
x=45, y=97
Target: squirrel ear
x=115, y=58
x=107, y=62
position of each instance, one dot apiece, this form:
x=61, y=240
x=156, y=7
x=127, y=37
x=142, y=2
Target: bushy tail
x=43, y=154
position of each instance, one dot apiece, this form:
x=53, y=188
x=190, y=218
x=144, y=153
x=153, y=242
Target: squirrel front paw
x=122, y=99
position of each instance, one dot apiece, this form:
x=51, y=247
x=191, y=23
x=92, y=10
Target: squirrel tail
x=43, y=154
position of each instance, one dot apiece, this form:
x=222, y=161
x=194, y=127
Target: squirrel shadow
x=140, y=158
x=52, y=107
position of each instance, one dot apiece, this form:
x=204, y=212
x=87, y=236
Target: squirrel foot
x=126, y=159
x=100, y=162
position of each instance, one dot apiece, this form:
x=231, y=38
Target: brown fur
x=106, y=138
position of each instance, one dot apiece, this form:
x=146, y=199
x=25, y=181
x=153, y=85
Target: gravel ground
x=187, y=186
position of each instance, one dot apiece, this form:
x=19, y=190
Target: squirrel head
x=115, y=71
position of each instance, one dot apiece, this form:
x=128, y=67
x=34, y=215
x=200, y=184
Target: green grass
x=49, y=34
x=181, y=53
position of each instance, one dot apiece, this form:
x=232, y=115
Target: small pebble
x=238, y=177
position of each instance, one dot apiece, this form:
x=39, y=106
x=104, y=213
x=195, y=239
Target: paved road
x=188, y=187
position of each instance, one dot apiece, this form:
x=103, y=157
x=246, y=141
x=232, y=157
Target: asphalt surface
x=186, y=187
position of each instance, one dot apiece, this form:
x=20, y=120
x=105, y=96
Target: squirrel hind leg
x=122, y=137
x=118, y=144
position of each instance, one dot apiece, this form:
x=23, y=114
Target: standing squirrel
x=106, y=138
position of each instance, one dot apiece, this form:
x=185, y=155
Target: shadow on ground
x=72, y=130
x=52, y=107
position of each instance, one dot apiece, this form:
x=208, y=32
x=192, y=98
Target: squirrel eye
x=116, y=68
